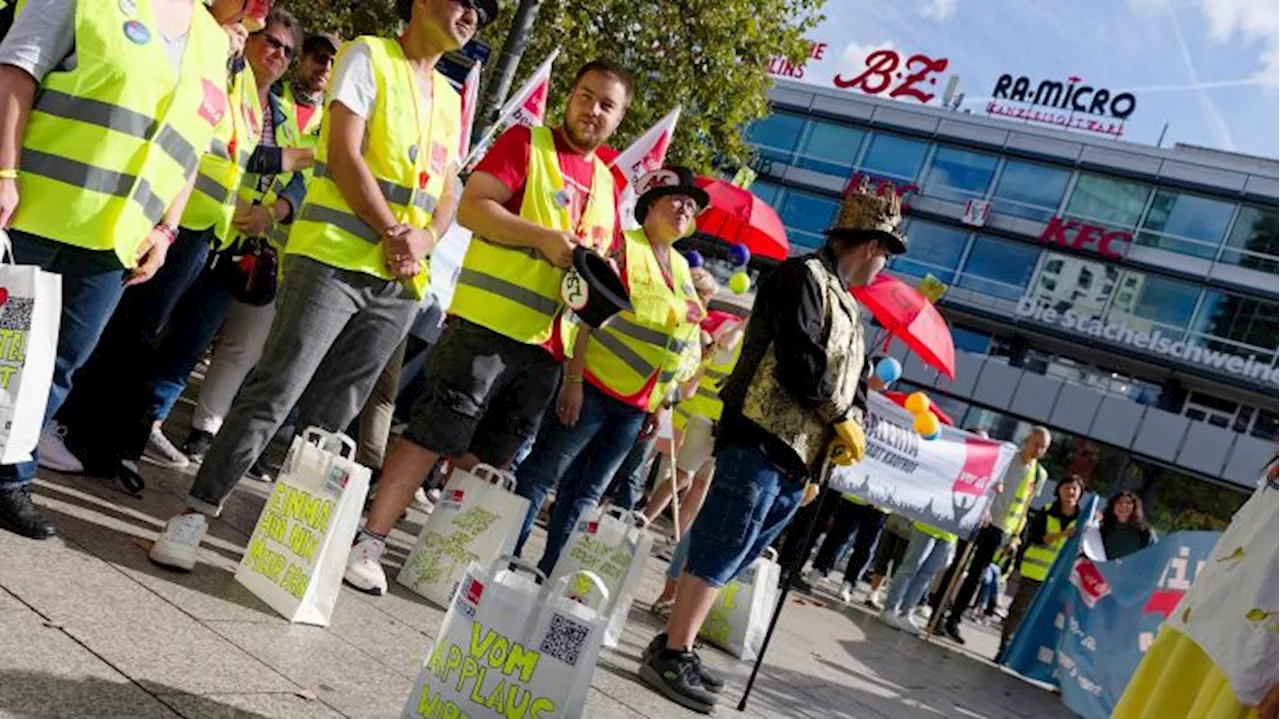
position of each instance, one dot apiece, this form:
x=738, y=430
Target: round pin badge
x=413, y=153
x=574, y=290
x=561, y=198
x=137, y=33
x=129, y=8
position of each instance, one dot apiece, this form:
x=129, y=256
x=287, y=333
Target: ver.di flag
x=528, y=106
x=643, y=156
x=470, y=97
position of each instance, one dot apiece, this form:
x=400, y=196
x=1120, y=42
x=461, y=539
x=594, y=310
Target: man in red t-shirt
x=489, y=377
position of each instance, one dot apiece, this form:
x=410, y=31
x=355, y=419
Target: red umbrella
x=737, y=216
x=900, y=399
x=907, y=315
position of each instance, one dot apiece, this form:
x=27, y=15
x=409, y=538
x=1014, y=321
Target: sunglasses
x=284, y=48
x=482, y=17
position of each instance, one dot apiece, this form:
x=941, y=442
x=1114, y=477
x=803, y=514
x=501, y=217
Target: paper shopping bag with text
x=614, y=545
x=477, y=519
x=298, y=551
x=30, y=312
x=739, y=619
x=510, y=648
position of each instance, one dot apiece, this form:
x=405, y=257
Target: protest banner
x=1112, y=612
x=946, y=482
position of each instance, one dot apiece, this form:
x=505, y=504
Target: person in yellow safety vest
x=618, y=376
x=358, y=252
x=1006, y=517
x=929, y=551
x=120, y=370
x=305, y=92
x=1050, y=528
x=108, y=106
x=537, y=194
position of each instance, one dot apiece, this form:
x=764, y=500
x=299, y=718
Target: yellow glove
x=810, y=493
x=849, y=445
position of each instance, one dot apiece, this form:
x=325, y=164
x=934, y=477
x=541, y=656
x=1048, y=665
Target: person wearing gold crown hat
x=789, y=403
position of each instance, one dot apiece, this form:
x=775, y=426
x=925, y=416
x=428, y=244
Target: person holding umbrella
x=788, y=405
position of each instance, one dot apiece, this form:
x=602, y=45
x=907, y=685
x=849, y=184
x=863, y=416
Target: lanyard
x=419, y=151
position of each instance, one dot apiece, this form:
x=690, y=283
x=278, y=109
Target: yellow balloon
x=927, y=424
x=739, y=282
x=917, y=403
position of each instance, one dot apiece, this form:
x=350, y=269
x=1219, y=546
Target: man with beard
x=537, y=195
x=305, y=93
x=356, y=263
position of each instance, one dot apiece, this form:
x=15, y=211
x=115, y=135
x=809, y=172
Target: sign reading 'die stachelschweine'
x=1186, y=350
x=1072, y=104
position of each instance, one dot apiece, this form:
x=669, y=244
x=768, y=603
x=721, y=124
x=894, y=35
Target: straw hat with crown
x=871, y=210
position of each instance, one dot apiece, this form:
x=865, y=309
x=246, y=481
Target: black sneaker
x=677, y=679
x=259, y=472
x=713, y=683
x=19, y=514
x=952, y=632
x=197, y=444
x=800, y=584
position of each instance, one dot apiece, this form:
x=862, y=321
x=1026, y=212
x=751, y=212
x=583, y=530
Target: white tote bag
x=613, y=545
x=739, y=619
x=477, y=519
x=298, y=551
x=508, y=647
x=30, y=312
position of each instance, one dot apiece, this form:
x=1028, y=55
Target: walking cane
x=786, y=590
x=949, y=592
x=675, y=490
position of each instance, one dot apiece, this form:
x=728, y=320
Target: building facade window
x=1146, y=303
x=1175, y=501
x=806, y=215
x=1254, y=240
x=894, y=158
x=1186, y=224
x=999, y=268
x=767, y=191
x=972, y=341
x=1115, y=203
x=1030, y=190
x=959, y=175
x=1244, y=323
x=933, y=248
x=829, y=148
x=776, y=136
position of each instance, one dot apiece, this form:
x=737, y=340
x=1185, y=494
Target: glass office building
x=1123, y=295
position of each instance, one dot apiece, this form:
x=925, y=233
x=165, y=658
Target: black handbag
x=249, y=269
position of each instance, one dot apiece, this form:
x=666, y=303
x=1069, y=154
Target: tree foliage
x=708, y=56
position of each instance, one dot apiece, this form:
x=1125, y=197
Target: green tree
x=708, y=56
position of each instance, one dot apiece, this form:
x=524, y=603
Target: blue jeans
x=678, y=557
x=987, y=590
x=926, y=556
x=629, y=481
x=751, y=501
x=92, y=283
x=118, y=370
x=196, y=319
x=578, y=462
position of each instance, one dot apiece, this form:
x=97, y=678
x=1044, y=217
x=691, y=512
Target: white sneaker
x=846, y=593
x=161, y=450
x=912, y=625
x=924, y=611
x=179, y=543
x=422, y=502
x=364, y=566
x=53, y=451
x=890, y=619
x=433, y=495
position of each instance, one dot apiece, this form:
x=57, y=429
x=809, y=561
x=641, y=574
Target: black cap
x=486, y=10
x=317, y=40
x=673, y=180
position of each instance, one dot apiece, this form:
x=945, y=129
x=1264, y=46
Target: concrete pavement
x=89, y=628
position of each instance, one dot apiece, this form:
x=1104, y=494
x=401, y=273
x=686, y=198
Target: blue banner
x=1113, y=611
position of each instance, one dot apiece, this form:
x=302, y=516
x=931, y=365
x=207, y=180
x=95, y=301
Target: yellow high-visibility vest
x=932, y=531
x=705, y=402
x=515, y=291
x=625, y=353
x=223, y=167
x=250, y=192
x=1038, y=558
x=409, y=154
x=110, y=144
x=1016, y=517
x=306, y=137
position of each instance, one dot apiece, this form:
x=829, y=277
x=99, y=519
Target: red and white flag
x=528, y=106
x=470, y=96
x=643, y=156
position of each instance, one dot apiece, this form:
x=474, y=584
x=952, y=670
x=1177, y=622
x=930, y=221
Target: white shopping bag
x=613, y=545
x=30, y=312
x=508, y=647
x=477, y=519
x=298, y=551
x=739, y=619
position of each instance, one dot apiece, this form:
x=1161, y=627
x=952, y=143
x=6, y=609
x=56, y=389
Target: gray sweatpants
x=333, y=332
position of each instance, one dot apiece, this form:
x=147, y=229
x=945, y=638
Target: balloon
x=917, y=403
x=931, y=437
x=739, y=255
x=694, y=258
x=889, y=370
x=927, y=425
x=739, y=282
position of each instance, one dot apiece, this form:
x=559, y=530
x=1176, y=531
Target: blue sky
x=1207, y=67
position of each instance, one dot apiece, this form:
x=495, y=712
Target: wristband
x=9, y=174
x=573, y=379
x=168, y=232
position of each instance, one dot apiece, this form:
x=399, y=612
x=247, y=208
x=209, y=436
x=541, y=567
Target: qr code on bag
x=17, y=313
x=565, y=639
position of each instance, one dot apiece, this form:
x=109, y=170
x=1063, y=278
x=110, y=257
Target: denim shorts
x=750, y=502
